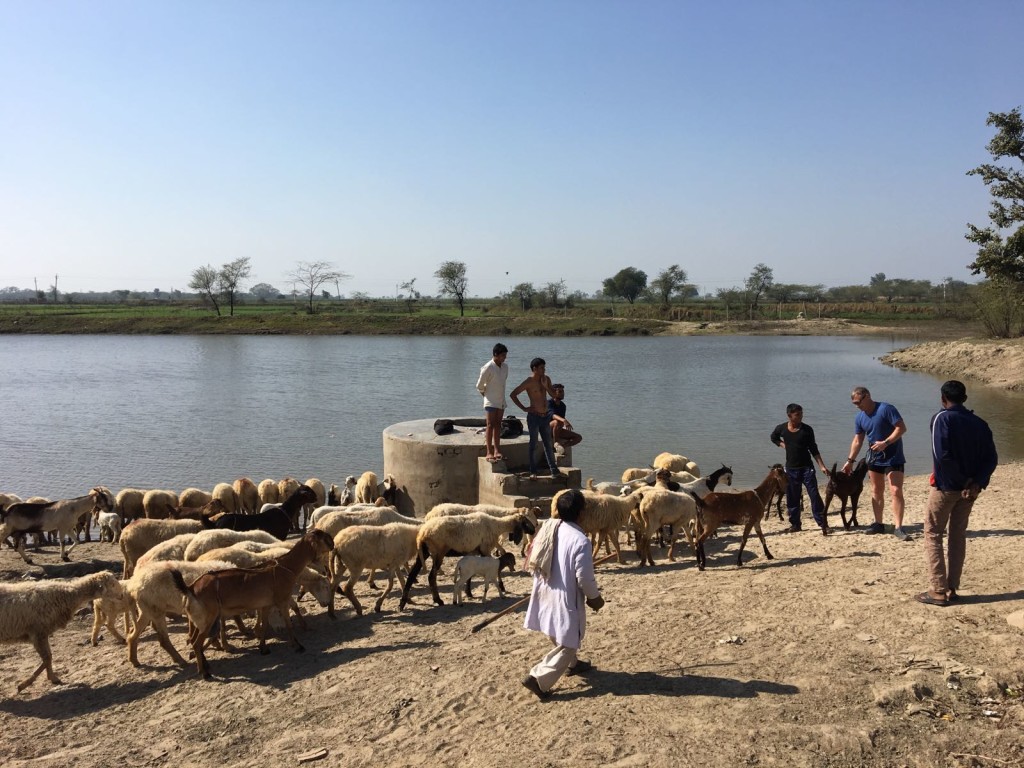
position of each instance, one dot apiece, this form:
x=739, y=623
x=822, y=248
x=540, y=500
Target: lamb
x=474, y=533
x=367, y=488
x=216, y=538
x=846, y=487
x=142, y=535
x=268, y=492
x=159, y=505
x=488, y=568
x=235, y=591
x=32, y=611
x=606, y=486
x=602, y=516
x=386, y=547
x=61, y=516
x=154, y=593
x=247, y=494
x=128, y=504
x=105, y=611
x=743, y=507
x=659, y=507
x=109, y=523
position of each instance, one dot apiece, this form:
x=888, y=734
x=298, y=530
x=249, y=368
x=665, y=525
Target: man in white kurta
x=563, y=585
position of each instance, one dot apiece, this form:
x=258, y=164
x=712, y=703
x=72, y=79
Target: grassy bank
x=437, y=321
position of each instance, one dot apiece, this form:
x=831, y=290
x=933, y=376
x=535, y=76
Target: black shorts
x=886, y=470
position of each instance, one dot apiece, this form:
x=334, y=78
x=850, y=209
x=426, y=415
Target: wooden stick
x=520, y=603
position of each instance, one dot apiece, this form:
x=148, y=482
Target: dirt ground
x=996, y=362
x=819, y=657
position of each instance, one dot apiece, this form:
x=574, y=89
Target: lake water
x=180, y=411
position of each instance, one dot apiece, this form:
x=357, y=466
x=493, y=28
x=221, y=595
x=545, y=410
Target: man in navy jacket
x=963, y=460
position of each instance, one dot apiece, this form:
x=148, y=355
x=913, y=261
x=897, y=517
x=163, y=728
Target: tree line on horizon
x=998, y=299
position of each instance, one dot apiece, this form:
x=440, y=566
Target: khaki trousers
x=946, y=509
x=556, y=663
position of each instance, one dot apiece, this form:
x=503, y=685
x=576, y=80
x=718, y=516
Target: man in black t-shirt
x=801, y=454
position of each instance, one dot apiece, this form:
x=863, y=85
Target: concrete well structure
x=430, y=468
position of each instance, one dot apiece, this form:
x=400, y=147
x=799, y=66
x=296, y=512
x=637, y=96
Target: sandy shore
x=819, y=657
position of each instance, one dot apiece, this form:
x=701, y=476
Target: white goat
x=32, y=611
x=109, y=523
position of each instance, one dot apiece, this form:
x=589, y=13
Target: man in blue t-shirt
x=883, y=426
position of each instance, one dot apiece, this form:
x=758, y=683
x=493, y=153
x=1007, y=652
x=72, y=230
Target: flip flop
x=491, y=459
x=927, y=599
x=498, y=457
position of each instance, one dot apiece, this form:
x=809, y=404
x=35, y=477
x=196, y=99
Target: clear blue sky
x=534, y=141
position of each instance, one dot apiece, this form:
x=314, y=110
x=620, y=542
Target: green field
x=481, y=319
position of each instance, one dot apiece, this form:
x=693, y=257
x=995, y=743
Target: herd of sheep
x=218, y=556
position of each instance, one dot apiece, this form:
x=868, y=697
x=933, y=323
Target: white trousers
x=556, y=663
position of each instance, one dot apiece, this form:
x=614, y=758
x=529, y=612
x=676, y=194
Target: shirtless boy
x=538, y=387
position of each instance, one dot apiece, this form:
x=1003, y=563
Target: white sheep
x=60, y=516
x=447, y=508
x=172, y=549
x=470, y=534
x=32, y=611
x=109, y=523
x=128, y=504
x=367, y=488
x=159, y=504
x=194, y=497
x=216, y=538
x=225, y=494
x=488, y=568
x=140, y=536
x=268, y=492
x=673, y=462
x=287, y=487
x=154, y=595
x=333, y=519
x=602, y=516
x=247, y=494
x=317, y=485
x=660, y=507
x=386, y=547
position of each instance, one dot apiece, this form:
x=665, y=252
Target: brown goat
x=228, y=593
x=745, y=507
x=846, y=487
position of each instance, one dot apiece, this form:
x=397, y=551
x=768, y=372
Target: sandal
x=927, y=599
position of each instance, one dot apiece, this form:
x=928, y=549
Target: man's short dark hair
x=536, y=362
x=570, y=504
x=954, y=391
x=558, y=386
x=499, y=349
x=793, y=408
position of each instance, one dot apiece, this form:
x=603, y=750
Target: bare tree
x=204, y=281
x=312, y=274
x=555, y=292
x=452, y=282
x=411, y=294
x=230, y=277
